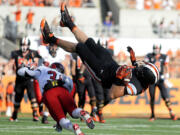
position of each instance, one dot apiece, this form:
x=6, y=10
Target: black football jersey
x=160, y=61
x=24, y=61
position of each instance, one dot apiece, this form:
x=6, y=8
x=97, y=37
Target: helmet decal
x=154, y=69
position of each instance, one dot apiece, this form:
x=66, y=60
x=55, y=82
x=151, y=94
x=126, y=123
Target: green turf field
x=113, y=126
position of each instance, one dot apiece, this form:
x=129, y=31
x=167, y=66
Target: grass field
x=113, y=126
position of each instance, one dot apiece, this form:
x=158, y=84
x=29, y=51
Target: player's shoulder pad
x=15, y=53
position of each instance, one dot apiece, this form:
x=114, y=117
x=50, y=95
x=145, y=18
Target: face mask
x=52, y=51
x=24, y=48
x=156, y=51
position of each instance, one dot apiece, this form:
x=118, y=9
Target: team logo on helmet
x=24, y=44
x=57, y=66
x=153, y=69
x=148, y=73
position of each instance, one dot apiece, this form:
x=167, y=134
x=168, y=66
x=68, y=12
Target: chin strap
x=132, y=56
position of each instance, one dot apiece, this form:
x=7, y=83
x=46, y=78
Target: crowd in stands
x=153, y=4
x=42, y=3
x=166, y=29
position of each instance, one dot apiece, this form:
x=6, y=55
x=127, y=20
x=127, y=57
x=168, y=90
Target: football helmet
x=57, y=66
x=156, y=48
x=53, y=50
x=147, y=73
x=24, y=44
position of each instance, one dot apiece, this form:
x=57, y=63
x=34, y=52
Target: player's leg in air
x=165, y=96
x=65, y=103
x=152, y=100
x=100, y=63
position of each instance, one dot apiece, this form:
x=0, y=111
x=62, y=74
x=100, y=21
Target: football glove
x=66, y=19
x=48, y=36
x=132, y=55
x=124, y=73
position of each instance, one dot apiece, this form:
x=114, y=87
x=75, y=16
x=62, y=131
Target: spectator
x=172, y=28
x=161, y=28
x=178, y=53
x=29, y=18
x=107, y=25
x=155, y=27
x=147, y=4
x=48, y=2
x=9, y=98
x=178, y=4
x=157, y=4
x=88, y=3
x=18, y=14
x=1, y=94
x=75, y=3
x=10, y=29
x=178, y=23
x=139, y=4
x=168, y=4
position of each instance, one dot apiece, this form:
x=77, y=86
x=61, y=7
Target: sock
x=66, y=124
x=46, y=114
x=76, y=113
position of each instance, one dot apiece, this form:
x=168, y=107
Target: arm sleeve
x=68, y=83
x=166, y=60
x=13, y=55
x=28, y=73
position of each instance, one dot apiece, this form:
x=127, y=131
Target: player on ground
x=121, y=79
x=20, y=58
x=55, y=88
x=161, y=61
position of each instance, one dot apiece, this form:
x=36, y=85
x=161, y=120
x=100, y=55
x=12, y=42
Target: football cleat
x=173, y=116
x=94, y=115
x=101, y=117
x=86, y=117
x=58, y=128
x=44, y=120
x=77, y=130
x=151, y=119
x=13, y=120
x=35, y=118
x=48, y=36
x=66, y=19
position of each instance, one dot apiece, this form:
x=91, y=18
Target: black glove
x=132, y=55
x=48, y=36
x=66, y=20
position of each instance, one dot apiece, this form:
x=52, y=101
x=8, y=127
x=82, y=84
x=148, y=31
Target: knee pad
x=93, y=101
x=168, y=103
x=16, y=105
x=100, y=104
x=34, y=103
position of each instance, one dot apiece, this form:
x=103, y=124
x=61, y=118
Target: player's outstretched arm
x=24, y=71
x=49, y=37
x=66, y=21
